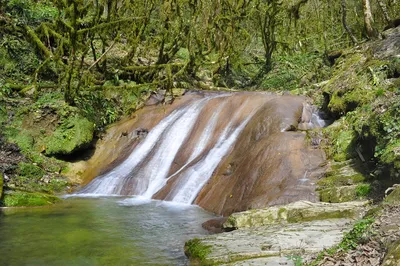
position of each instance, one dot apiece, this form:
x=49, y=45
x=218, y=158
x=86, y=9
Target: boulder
x=338, y=194
x=295, y=212
x=74, y=134
x=267, y=245
x=394, y=197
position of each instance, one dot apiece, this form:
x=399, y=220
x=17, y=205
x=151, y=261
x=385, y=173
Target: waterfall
x=224, y=152
x=148, y=168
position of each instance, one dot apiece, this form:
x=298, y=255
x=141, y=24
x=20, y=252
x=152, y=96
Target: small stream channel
x=99, y=231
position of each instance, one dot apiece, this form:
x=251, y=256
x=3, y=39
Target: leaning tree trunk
x=368, y=20
x=346, y=27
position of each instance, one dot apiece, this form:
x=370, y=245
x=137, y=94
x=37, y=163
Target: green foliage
x=297, y=260
x=17, y=60
x=363, y=190
x=295, y=71
x=30, y=171
x=357, y=235
x=99, y=109
x=380, y=92
x=196, y=250
x=31, y=12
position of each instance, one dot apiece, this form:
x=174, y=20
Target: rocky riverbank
x=277, y=234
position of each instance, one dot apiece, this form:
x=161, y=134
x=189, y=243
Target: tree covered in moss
x=79, y=45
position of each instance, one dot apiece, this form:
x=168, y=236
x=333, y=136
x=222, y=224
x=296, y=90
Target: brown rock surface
x=270, y=162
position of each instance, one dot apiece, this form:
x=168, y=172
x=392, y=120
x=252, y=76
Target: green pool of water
x=102, y=231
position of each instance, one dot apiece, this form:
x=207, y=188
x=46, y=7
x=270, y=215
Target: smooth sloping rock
x=295, y=212
x=243, y=147
x=274, y=241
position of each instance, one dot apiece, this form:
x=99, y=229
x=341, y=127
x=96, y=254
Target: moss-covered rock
x=344, y=193
x=295, y=212
x=343, y=174
x=340, y=136
x=357, y=79
x=21, y=198
x=74, y=134
x=394, y=197
x=338, y=194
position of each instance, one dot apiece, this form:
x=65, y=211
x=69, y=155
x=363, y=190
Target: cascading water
x=147, y=169
x=223, y=152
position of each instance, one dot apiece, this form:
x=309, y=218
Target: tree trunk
x=368, y=20
x=344, y=14
x=383, y=7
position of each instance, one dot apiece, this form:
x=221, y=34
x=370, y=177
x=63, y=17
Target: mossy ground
x=22, y=198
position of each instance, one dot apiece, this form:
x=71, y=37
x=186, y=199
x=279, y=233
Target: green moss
x=343, y=142
x=74, y=134
x=356, y=81
x=391, y=153
x=335, y=194
x=20, y=198
x=339, y=179
x=196, y=250
x=20, y=137
x=338, y=194
x=281, y=212
x=296, y=216
x=363, y=190
x=340, y=138
x=30, y=171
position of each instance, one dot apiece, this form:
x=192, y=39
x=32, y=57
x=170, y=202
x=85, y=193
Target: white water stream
x=145, y=171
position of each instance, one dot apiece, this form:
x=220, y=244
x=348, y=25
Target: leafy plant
x=358, y=234
x=297, y=260
x=197, y=250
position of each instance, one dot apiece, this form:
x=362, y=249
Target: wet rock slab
x=271, y=245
